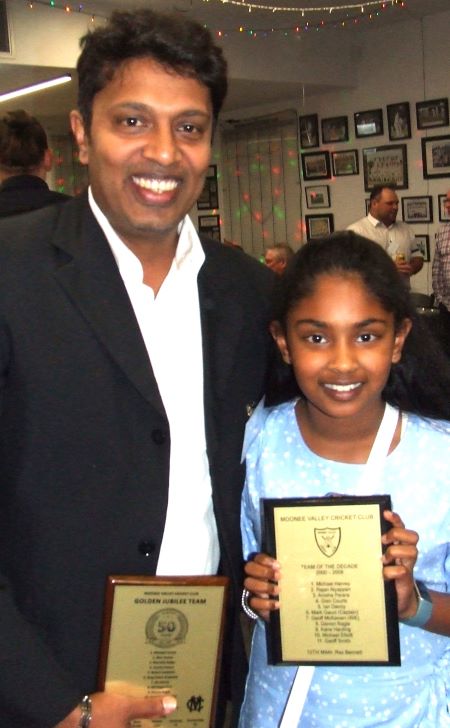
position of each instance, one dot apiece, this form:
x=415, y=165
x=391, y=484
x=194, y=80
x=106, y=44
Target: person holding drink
x=355, y=352
x=397, y=238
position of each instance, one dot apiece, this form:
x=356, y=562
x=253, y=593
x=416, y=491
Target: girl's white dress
x=417, y=477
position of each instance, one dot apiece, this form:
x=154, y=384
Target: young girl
x=346, y=328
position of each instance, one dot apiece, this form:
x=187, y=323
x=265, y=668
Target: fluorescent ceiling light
x=36, y=87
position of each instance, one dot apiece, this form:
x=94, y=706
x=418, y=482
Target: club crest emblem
x=166, y=628
x=328, y=540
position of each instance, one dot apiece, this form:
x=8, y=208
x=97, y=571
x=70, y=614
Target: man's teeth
x=156, y=185
x=343, y=387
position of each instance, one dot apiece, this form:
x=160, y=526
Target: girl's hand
x=399, y=559
x=262, y=574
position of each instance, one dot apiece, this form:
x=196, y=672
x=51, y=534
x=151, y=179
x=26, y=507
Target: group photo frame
x=385, y=165
x=319, y=225
x=316, y=165
x=318, y=196
x=369, y=123
x=436, y=156
x=334, y=129
x=417, y=209
x=431, y=114
x=345, y=163
x=399, y=121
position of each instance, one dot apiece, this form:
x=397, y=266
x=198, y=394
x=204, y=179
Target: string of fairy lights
x=309, y=17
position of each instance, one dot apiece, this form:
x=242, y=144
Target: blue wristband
x=424, y=607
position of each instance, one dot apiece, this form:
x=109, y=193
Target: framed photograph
x=309, y=131
x=432, y=113
x=424, y=246
x=385, y=166
x=335, y=129
x=209, y=198
x=369, y=123
x=316, y=165
x=209, y=225
x=345, y=163
x=399, y=121
x=436, y=156
x=444, y=214
x=319, y=225
x=417, y=209
x=318, y=196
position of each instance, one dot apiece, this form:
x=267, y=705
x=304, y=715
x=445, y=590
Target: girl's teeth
x=342, y=387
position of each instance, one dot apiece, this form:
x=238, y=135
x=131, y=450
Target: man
x=395, y=237
x=441, y=275
x=25, y=161
x=130, y=353
x=277, y=257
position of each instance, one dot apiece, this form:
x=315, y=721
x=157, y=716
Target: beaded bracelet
x=245, y=605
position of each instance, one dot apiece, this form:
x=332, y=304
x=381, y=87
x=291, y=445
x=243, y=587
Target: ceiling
x=217, y=15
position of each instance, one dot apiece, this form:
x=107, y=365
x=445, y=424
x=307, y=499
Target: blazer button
x=146, y=548
x=158, y=437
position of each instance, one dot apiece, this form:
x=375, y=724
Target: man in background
x=441, y=276
x=277, y=257
x=131, y=353
x=397, y=238
x=25, y=161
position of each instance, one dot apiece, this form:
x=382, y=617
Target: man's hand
x=111, y=710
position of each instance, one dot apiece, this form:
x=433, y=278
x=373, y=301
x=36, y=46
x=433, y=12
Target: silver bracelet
x=86, y=712
x=245, y=605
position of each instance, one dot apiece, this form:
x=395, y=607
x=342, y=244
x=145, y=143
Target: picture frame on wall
x=369, y=123
x=316, y=165
x=431, y=114
x=334, y=129
x=209, y=225
x=309, y=131
x=385, y=165
x=444, y=214
x=209, y=197
x=399, y=121
x=417, y=209
x=436, y=156
x=345, y=163
x=319, y=225
x=424, y=246
x=318, y=196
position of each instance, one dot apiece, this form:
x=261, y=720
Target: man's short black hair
x=178, y=44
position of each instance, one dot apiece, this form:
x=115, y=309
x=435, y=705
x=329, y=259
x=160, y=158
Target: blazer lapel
x=89, y=275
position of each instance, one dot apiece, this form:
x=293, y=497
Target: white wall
x=409, y=61
x=43, y=36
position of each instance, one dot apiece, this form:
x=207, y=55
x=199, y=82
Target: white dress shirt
x=396, y=239
x=170, y=327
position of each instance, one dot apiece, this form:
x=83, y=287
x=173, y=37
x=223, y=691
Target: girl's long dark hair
x=420, y=382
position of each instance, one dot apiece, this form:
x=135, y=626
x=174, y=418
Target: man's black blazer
x=84, y=443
